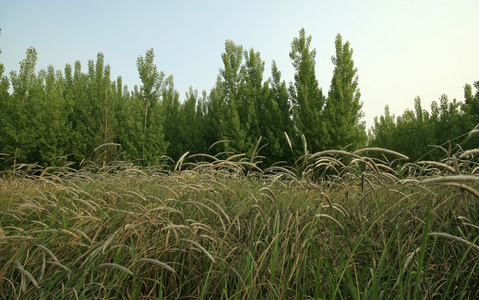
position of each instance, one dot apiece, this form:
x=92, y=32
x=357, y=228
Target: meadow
x=366, y=224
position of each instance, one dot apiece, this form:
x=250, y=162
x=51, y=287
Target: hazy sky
x=402, y=49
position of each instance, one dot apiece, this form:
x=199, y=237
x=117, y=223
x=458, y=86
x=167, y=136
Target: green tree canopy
x=306, y=96
x=343, y=107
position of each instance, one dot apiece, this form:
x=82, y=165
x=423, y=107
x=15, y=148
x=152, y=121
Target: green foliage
x=306, y=96
x=215, y=117
x=72, y=113
x=54, y=127
x=427, y=136
x=231, y=83
x=5, y=100
x=81, y=116
x=20, y=111
x=170, y=108
x=381, y=134
x=242, y=108
x=93, y=110
x=192, y=123
x=151, y=137
x=253, y=97
x=471, y=103
x=342, y=112
x=150, y=77
x=275, y=119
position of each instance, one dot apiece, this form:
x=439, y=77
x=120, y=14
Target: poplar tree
x=470, y=107
x=152, y=142
x=343, y=107
x=5, y=138
x=382, y=133
x=81, y=118
x=4, y=101
x=92, y=112
x=470, y=119
x=54, y=129
x=449, y=121
x=276, y=119
x=252, y=101
x=306, y=96
x=19, y=109
x=131, y=127
x=471, y=101
x=216, y=117
x=170, y=108
x=104, y=109
x=191, y=126
x=232, y=77
x=413, y=132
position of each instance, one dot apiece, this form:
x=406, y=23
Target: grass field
x=337, y=225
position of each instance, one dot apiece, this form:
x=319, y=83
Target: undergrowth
x=338, y=225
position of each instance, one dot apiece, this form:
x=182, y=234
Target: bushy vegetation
x=336, y=225
x=53, y=113
x=418, y=132
x=69, y=112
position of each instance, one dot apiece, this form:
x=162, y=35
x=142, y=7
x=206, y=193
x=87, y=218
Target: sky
x=402, y=49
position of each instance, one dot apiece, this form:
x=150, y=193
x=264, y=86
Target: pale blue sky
x=402, y=49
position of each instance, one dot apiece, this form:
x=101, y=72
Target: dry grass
x=338, y=225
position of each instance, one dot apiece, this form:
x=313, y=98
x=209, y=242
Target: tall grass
x=336, y=225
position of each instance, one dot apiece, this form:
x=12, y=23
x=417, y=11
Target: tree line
x=434, y=135
x=76, y=115
x=85, y=114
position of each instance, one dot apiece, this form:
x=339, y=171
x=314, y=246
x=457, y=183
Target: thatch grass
x=342, y=226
